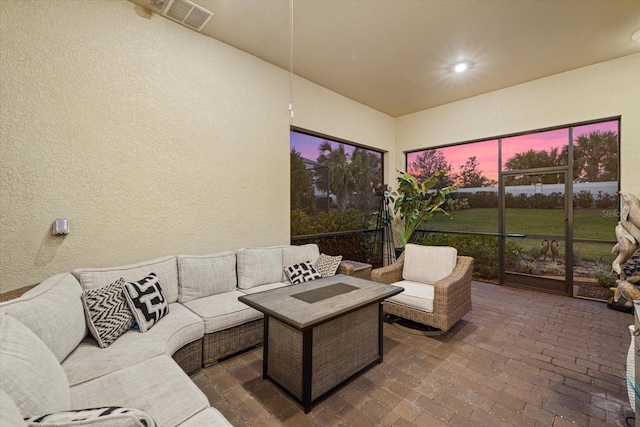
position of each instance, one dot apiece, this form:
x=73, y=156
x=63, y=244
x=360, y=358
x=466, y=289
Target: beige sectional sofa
x=65, y=369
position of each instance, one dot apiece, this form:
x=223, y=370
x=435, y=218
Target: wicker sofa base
x=232, y=340
x=189, y=357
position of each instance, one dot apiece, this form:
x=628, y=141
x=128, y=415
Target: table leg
x=380, y=337
x=265, y=348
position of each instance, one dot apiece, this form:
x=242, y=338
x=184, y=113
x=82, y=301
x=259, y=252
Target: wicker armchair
x=451, y=295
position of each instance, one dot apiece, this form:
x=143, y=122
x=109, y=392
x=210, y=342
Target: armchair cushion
x=415, y=295
x=428, y=264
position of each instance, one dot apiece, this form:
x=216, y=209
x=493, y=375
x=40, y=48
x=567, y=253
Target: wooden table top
x=280, y=304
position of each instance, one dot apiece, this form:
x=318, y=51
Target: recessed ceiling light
x=460, y=67
x=636, y=36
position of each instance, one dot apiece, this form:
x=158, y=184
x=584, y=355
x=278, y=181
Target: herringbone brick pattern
x=520, y=358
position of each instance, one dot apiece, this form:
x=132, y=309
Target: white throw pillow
x=30, y=373
x=428, y=264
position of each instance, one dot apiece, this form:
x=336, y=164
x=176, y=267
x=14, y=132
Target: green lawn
x=588, y=223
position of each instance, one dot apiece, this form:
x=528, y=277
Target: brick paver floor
x=520, y=358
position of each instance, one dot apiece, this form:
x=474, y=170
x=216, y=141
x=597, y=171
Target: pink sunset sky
x=486, y=152
x=307, y=145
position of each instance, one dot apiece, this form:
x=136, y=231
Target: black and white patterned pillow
x=114, y=415
x=327, y=265
x=303, y=272
x=108, y=314
x=147, y=301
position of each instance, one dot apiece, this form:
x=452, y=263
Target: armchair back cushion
x=428, y=264
x=165, y=268
x=30, y=373
x=259, y=266
x=53, y=311
x=203, y=276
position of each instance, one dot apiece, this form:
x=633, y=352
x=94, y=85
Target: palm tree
x=342, y=181
x=365, y=168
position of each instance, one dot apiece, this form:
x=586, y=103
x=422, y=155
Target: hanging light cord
x=291, y=61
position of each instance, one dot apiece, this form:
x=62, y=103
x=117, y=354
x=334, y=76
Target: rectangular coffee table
x=321, y=334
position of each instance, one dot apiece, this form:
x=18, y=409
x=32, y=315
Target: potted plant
x=415, y=205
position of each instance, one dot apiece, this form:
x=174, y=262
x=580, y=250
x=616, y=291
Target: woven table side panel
x=342, y=347
x=189, y=357
x=232, y=340
x=285, y=356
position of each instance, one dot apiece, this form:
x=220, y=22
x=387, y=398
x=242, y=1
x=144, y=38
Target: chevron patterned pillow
x=108, y=314
x=147, y=301
x=327, y=265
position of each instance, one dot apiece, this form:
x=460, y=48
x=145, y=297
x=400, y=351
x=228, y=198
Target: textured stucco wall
x=599, y=91
x=151, y=138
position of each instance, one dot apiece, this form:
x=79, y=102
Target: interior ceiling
x=396, y=55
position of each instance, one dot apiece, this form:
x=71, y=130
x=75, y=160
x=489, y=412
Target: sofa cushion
x=303, y=272
x=165, y=268
x=115, y=416
x=30, y=373
x=146, y=301
x=201, y=276
x=416, y=295
x=209, y=417
x=53, y=311
x=223, y=311
x=259, y=266
x=428, y=264
x=295, y=254
x=108, y=314
x=180, y=327
x=156, y=386
x=9, y=413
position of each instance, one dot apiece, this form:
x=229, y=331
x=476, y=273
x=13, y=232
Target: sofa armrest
x=345, y=268
x=389, y=274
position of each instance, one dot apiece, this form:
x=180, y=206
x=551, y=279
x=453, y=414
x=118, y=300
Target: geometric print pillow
x=147, y=301
x=108, y=314
x=112, y=415
x=303, y=272
x=327, y=265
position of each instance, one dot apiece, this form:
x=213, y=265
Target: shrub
x=606, y=201
x=583, y=199
x=356, y=247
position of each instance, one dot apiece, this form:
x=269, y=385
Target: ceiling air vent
x=187, y=13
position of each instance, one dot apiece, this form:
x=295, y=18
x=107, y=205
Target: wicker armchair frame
x=451, y=299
